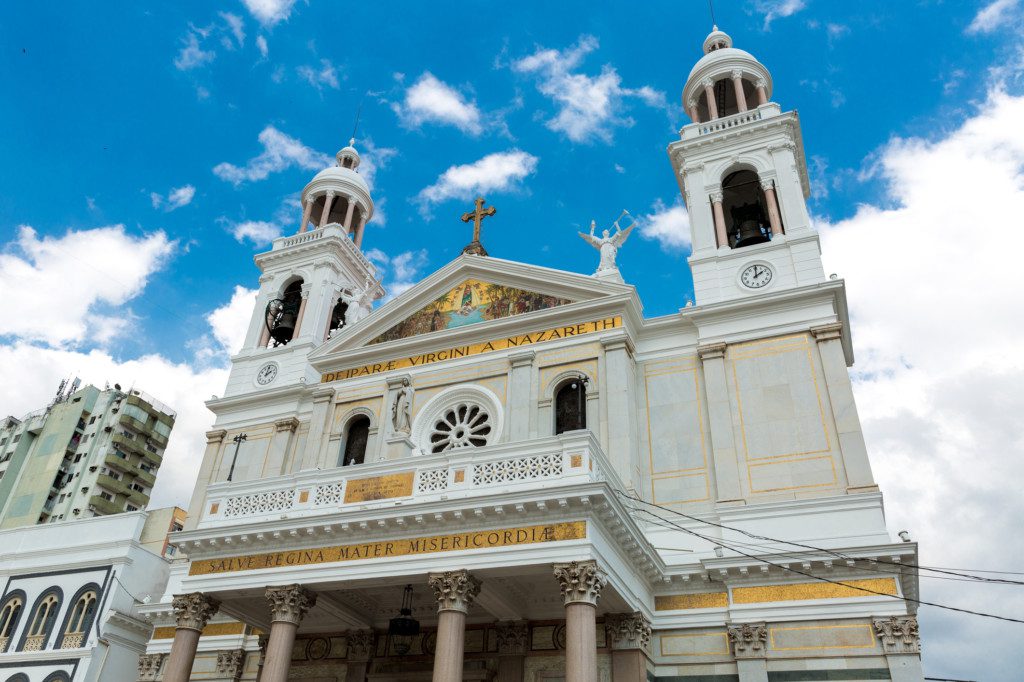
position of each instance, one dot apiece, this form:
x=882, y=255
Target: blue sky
x=150, y=152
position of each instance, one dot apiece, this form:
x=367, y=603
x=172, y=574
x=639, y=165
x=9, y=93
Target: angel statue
x=609, y=245
x=362, y=302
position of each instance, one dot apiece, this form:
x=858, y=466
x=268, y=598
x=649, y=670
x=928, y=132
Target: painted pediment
x=470, y=302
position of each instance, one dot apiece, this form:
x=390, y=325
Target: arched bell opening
x=282, y=314
x=702, y=107
x=338, y=210
x=337, y=317
x=571, y=405
x=725, y=96
x=746, y=210
x=357, y=434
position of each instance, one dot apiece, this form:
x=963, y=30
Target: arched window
x=58, y=676
x=356, y=436
x=18, y=677
x=10, y=613
x=746, y=210
x=80, y=618
x=282, y=314
x=40, y=623
x=337, y=317
x=571, y=406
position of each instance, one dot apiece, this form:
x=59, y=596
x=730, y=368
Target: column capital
x=323, y=395
x=455, y=590
x=231, y=663
x=749, y=640
x=289, y=424
x=768, y=185
x=523, y=358
x=193, y=611
x=761, y=83
x=716, y=196
x=827, y=332
x=628, y=631
x=737, y=74
x=707, y=82
x=290, y=603
x=711, y=351
x=330, y=194
x=513, y=637
x=617, y=341
x=149, y=666
x=899, y=634
x=691, y=103
x=360, y=645
x=580, y=581
x=215, y=436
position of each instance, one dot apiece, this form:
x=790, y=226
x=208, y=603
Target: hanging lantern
x=403, y=628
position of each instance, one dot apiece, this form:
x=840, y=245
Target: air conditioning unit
x=108, y=429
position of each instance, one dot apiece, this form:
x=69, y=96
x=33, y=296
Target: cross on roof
x=477, y=215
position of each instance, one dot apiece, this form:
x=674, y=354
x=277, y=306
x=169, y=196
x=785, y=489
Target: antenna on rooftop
x=355, y=128
x=711, y=8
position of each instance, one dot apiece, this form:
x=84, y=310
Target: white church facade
x=509, y=473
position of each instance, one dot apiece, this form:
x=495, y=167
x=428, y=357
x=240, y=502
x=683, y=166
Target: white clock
x=267, y=374
x=756, y=276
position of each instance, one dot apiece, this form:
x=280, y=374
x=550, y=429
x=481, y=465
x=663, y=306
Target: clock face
x=267, y=373
x=756, y=276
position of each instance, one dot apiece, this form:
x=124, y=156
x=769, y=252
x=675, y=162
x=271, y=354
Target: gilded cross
x=477, y=215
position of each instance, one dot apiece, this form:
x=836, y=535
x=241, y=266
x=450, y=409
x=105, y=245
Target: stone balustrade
x=728, y=122
x=527, y=465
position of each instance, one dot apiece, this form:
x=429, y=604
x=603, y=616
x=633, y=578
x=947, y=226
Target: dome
x=716, y=40
x=726, y=54
x=345, y=177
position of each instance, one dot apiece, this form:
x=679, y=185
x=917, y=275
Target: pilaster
x=231, y=664
x=214, y=440
x=901, y=644
x=360, y=651
x=629, y=636
x=313, y=456
x=149, y=667
x=513, y=643
x=720, y=419
x=620, y=399
x=280, y=442
x=749, y=644
x=521, y=373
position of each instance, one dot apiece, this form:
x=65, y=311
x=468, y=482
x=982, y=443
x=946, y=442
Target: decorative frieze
x=149, y=666
x=513, y=637
x=193, y=611
x=898, y=634
x=749, y=640
x=628, y=631
x=360, y=645
x=290, y=603
x=580, y=581
x=455, y=590
x=231, y=664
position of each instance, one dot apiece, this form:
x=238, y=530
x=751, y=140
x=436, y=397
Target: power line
x=827, y=580
x=817, y=549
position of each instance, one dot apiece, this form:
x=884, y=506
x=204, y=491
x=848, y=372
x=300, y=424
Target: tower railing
x=728, y=122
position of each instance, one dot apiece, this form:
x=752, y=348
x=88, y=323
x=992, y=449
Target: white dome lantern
x=750, y=86
x=338, y=195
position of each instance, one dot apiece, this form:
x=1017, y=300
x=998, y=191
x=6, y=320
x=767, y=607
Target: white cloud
x=372, y=159
x=937, y=318
x=992, y=16
x=280, y=152
x=192, y=55
x=58, y=290
x=236, y=25
x=668, y=225
x=326, y=74
x=269, y=12
x=430, y=100
x=230, y=322
x=259, y=232
x=501, y=172
x=588, y=106
x=401, y=271
x=778, y=9
x=176, y=198
x=261, y=45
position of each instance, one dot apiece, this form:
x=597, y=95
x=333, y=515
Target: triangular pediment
x=469, y=292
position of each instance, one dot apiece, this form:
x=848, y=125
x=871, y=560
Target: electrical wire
x=817, y=549
x=827, y=580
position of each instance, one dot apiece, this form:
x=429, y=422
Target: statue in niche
x=361, y=303
x=607, y=244
x=401, y=411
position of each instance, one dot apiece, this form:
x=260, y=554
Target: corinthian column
x=360, y=650
x=716, y=205
x=901, y=644
x=749, y=647
x=709, y=92
x=192, y=612
x=737, y=84
x=288, y=606
x=328, y=200
x=581, y=583
x=629, y=635
x=455, y=592
x=513, y=638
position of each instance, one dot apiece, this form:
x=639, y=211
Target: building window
x=138, y=488
x=79, y=621
x=571, y=406
x=356, y=436
x=337, y=317
x=107, y=496
x=40, y=624
x=131, y=508
x=462, y=425
x=746, y=209
x=9, y=615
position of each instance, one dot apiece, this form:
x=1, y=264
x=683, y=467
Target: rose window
x=464, y=425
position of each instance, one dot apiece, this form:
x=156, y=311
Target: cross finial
x=477, y=215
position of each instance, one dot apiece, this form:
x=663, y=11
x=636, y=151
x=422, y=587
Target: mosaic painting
x=469, y=303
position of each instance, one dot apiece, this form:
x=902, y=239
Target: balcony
x=3, y=644
x=34, y=643
x=113, y=485
x=73, y=641
x=104, y=506
x=558, y=461
x=135, y=446
x=718, y=125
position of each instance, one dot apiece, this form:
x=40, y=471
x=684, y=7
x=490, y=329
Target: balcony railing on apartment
x=556, y=461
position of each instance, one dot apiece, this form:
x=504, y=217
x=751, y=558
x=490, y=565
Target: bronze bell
x=748, y=233
x=284, y=328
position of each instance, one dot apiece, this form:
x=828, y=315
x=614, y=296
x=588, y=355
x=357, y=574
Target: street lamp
x=238, y=443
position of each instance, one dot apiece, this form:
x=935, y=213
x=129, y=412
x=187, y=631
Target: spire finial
x=711, y=9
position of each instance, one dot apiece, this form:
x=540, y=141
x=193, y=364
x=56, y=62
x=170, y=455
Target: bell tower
x=313, y=284
x=741, y=169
